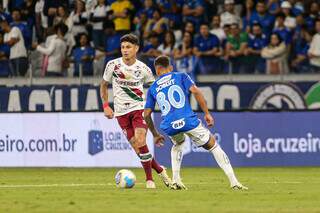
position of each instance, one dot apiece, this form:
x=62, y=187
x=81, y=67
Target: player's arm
x=108, y=112
x=202, y=103
x=107, y=76
x=158, y=138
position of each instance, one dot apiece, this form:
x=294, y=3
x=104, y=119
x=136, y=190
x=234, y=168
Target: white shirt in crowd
x=219, y=32
x=56, y=52
x=98, y=12
x=75, y=18
x=315, y=50
x=229, y=18
x=18, y=50
x=39, y=9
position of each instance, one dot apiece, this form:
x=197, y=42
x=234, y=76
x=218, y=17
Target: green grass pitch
x=93, y=190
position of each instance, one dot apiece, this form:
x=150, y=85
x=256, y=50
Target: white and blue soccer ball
x=125, y=178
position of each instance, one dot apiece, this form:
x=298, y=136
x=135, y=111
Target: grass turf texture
x=94, y=190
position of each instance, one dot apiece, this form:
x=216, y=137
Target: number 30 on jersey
x=165, y=105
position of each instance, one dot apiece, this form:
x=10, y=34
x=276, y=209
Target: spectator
x=273, y=7
x=121, y=15
x=112, y=42
x=262, y=17
x=4, y=58
x=298, y=7
x=147, y=9
x=4, y=14
x=83, y=56
x=41, y=21
x=166, y=48
x=98, y=16
x=189, y=27
x=79, y=18
x=63, y=17
x=193, y=11
x=140, y=27
x=171, y=9
x=157, y=24
x=314, y=50
x=150, y=51
x=313, y=14
x=28, y=14
x=246, y=14
x=26, y=32
x=229, y=16
x=276, y=55
x=56, y=52
x=284, y=32
x=257, y=41
x=50, y=9
x=216, y=28
x=18, y=53
x=286, y=9
x=237, y=42
x=177, y=31
x=183, y=55
x=207, y=50
x=300, y=63
x=15, y=4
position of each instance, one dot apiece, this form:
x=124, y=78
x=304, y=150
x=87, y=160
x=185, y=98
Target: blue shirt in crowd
x=87, y=66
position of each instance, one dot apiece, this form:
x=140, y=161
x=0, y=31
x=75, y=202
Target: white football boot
x=165, y=178
x=150, y=184
x=239, y=186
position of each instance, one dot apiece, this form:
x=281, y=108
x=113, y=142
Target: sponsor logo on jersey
x=164, y=79
x=178, y=124
x=278, y=96
x=165, y=84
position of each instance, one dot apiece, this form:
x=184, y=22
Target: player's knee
x=210, y=144
x=140, y=137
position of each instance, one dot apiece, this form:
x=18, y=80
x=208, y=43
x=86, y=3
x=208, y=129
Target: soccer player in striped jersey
x=171, y=92
x=127, y=75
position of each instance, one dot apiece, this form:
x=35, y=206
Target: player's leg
x=125, y=122
x=176, y=159
x=202, y=137
x=144, y=154
x=140, y=140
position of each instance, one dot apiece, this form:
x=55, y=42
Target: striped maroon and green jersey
x=127, y=84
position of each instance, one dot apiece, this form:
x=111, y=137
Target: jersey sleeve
x=148, y=78
x=150, y=102
x=108, y=71
x=187, y=81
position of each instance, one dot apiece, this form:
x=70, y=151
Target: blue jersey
x=171, y=92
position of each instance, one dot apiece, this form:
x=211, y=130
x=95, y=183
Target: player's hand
x=209, y=120
x=108, y=112
x=158, y=140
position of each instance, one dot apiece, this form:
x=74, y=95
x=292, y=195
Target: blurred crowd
x=78, y=37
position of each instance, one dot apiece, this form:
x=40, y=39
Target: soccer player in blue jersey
x=171, y=92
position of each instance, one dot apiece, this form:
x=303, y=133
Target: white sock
x=176, y=159
x=224, y=163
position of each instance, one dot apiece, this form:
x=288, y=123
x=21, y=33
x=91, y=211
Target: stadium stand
x=203, y=36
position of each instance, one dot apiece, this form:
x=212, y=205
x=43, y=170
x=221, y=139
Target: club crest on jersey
x=137, y=73
x=178, y=124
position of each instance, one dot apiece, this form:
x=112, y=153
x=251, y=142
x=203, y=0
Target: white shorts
x=199, y=135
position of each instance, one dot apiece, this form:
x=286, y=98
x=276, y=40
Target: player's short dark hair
x=131, y=38
x=162, y=60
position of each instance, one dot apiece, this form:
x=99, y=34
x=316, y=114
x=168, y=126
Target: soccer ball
x=125, y=178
